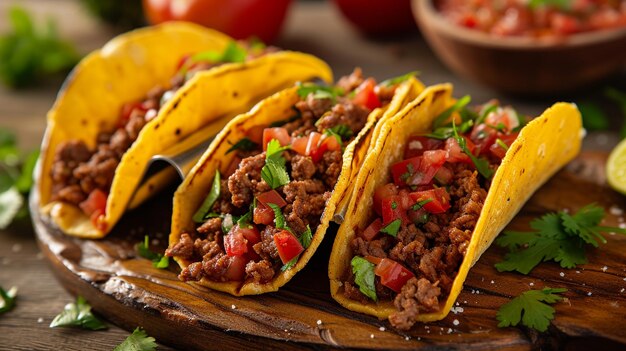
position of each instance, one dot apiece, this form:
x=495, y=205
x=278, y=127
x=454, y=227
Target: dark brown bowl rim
x=425, y=8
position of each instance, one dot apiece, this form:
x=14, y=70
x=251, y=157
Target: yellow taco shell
x=543, y=146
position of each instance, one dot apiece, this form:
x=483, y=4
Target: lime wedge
x=616, y=168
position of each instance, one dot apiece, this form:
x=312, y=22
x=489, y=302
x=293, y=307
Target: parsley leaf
x=158, y=260
x=558, y=237
x=137, y=341
x=481, y=164
x=399, y=79
x=78, y=314
x=244, y=144
x=274, y=172
x=207, y=204
x=531, y=308
x=445, y=115
x=7, y=301
x=392, y=228
x=363, y=271
x=319, y=91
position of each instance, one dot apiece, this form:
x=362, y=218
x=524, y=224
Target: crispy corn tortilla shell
x=124, y=70
x=544, y=145
x=196, y=186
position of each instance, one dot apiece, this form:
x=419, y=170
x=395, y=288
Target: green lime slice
x=616, y=168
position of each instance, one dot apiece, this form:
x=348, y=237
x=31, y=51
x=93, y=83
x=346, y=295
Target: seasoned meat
x=351, y=82
x=261, y=272
x=245, y=180
x=183, y=248
x=346, y=113
x=302, y=167
x=416, y=296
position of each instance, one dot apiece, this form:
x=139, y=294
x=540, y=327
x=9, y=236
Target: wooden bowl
x=522, y=65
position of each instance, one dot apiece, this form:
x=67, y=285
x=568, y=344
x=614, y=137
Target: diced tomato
x=287, y=245
x=234, y=242
x=564, y=24
x=278, y=133
x=392, y=209
x=483, y=136
x=271, y=197
x=366, y=96
x=383, y=192
x=373, y=259
x=263, y=215
x=444, y=175
x=372, y=230
x=232, y=166
x=440, y=199
x=502, y=118
x=182, y=61
x=252, y=237
x=313, y=142
x=255, y=134
x=127, y=111
x=416, y=145
x=497, y=150
x=236, y=269
x=95, y=203
x=418, y=170
x=392, y=274
x=299, y=144
x=327, y=143
x=456, y=154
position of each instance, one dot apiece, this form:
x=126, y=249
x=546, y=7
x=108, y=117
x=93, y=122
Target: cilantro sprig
x=202, y=212
x=137, y=341
x=531, y=308
x=7, y=299
x=392, y=228
x=274, y=172
x=482, y=165
x=78, y=314
x=444, y=117
x=304, y=238
x=158, y=260
x=244, y=144
x=319, y=91
x=364, y=278
x=558, y=237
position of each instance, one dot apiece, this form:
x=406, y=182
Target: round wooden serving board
x=130, y=292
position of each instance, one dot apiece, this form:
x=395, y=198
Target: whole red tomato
x=379, y=17
x=240, y=19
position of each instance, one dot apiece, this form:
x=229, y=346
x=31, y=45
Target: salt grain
x=532, y=284
x=604, y=268
x=616, y=211
x=407, y=338
x=622, y=290
x=455, y=322
x=233, y=307
x=492, y=282
x=449, y=330
x=577, y=272
x=39, y=320
x=589, y=293
x=16, y=248
x=622, y=225
x=562, y=274
x=371, y=336
x=319, y=322
x=381, y=328
x=457, y=310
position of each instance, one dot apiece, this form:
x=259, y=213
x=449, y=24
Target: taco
x=256, y=206
x=435, y=190
x=140, y=95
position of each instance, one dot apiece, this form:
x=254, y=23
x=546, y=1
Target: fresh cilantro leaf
x=392, y=228
x=481, y=164
x=502, y=144
x=593, y=116
x=319, y=91
x=363, y=271
x=244, y=144
x=558, y=236
x=279, y=219
x=234, y=53
x=290, y=264
x=78, y=314
x=399, y=79
x=208, y=203
x=420, y=204
x=274, y=172
x=559, y=4
x=158, y=260
x=7, y=299
x=443, y=118
x=137, y=341
x=274, y=150
x=306, y=237
x=531, y=308
x=244, y=221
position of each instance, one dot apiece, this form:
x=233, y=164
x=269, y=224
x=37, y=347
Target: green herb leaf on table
x=208, y=203
x=137, y=341
x=363, y=271
x=28, y=53
x=78, y=314
x=7, y=299
x=593, y=117
x=274, y=172
x=158, y=260
x=531, y=308
x=399, y=79
x=558, y=237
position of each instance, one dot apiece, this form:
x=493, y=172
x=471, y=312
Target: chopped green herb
x=158, y=260
x=363, y=271
x=7, y=301
x=392, y=228
x=306, y=237
x=399, y=79
x=481, y=164
x=244, y=221
x=593, y=117
x=531, y=308
x=559, y=4
x=274, y=172
x=279, y=219
x=443, y=118
x=232, y=53
x=394, y=205
x=244, y=144
x=78, y=314
x=137, y=341
x=558, y=236
x=420, y=204
x=443, y=133
x=208, y=203
x=290, y=264
x=619, y=98
x=502, y=144
x=319, y=91
x=343, y=131
x=485, y=111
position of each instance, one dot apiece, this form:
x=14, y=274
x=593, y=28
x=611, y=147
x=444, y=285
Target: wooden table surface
x=312, y=27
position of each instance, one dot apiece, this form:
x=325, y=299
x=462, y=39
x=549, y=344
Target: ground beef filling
x=432, y=251
x=306, y=194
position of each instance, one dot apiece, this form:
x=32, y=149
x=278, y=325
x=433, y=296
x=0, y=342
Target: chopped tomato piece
x=456, y=154
x=287, y=245
x=392, y=274
x=236, y=269
x=263, y=215
x=416, y=145
x=234, y=242
x=313, y=142
x=392, y=209
x=444, y=175
x=278, y=133
x=271, y=197
x=299, y=144
x=483, y=136
x=366, y=96
x=383, y=192
x=96, y=202
x=182, y=61
x=255, y=134
x=418, y=170
x=327, y=143
x=502, y=119
x=440, y=199
x=497, y=150
x=372, y=230
x=127, y=111
x=252, y=237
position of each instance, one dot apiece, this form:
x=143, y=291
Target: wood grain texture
x=129, y=291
